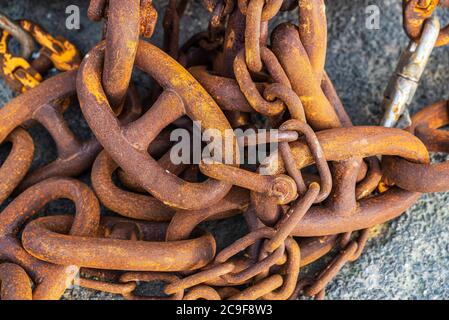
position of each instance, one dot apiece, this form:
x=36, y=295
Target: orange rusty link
x=214, y=272
x=260, y=267
x=115, y=288
x=134, y=277
x=361, y=244
x=330, y=272
x=182, y=95
x=302, y=285
x=349, y=254
x=122, y=39
x=288, y=96
x=318, y=156
x=266, y=208
x=259, y=289
x=219, y=13
x=425, y=125
x=264, y=137
x=311, y=250
x=331, y=95
x=123, y=27
x=313, y=33
x=346, y=144
x=241, y=263
x=160, y=148
x=180, y=170
x=372, y=179
x=309, y=90
x=46, y=239
x=148, y=208
x=51, y=280
x=16, y=165
x=184, y=222
x=216, y=26
x=225, y=91
x=289, y=221
x=297, y=112
x=98, y=9
x=314, y=248
x=292, y=56
x=233, y=42
x=14, y=283
x=17, y=71
x=320, y=295
x=251, y=52
x=289, y=163
x=281, y=187
x=128, y=204
x=227, y=292
x=211, y=6
x=320, y=114
x=241, y=244
x=269, y=8
x=248, y=87
x=148, y=18
x=26, y=41
x=423, y=177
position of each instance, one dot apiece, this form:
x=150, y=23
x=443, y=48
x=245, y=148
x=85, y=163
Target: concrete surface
x=409, y=259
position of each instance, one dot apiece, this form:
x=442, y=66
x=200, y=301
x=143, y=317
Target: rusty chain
x=317, y=194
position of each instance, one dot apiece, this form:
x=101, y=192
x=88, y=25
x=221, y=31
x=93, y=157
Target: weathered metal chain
x=318, y=191
x=415, y=14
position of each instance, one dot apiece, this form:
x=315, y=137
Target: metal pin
x=403, y=83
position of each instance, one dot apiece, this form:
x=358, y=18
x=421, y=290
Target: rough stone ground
x=409, y=259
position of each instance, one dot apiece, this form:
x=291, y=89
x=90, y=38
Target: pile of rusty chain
x=317, y=194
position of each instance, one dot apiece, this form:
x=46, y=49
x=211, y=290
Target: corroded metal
x=74, y=156
x=46, y=239
x=346, y=144
x=423, y=177
x=415, y=15
x=50, y=280
x=22, y=75
x=182, y=95
x=16, y=165
x=404, y=82
x=24, y=38
x=317, y=194
x=14, y=283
